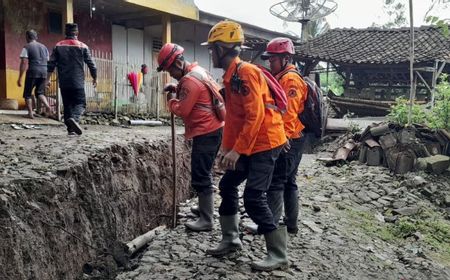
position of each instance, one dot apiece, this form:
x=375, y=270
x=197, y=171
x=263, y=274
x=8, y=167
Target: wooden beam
x=68, y=12
x=167, y=29
x=134, y=16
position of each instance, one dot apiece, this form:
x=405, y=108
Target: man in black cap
x=37, y=56
x=69, y=56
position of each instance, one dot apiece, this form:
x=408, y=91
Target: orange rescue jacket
x=194, y=105
x=250, y=127
x=296, y=92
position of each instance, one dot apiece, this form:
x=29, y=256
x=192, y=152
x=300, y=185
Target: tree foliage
x=317, y=27
x=396, y=10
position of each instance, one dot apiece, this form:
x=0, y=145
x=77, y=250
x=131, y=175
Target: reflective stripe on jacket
x=69, y=56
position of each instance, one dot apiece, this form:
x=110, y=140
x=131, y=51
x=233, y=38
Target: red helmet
x=278, y=46
x=167, y=55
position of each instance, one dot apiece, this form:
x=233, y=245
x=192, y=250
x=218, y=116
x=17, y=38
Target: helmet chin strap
x=182, y=68
x=222, y=57
x=283, y=65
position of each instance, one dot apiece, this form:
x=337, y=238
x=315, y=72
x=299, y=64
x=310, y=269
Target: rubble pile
x=109, y=118
x=401, y=149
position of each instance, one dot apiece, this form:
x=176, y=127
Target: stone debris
x=401, y=149
x=329, y=245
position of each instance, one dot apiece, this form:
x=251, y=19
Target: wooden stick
x=174, y=172
x=141, y=240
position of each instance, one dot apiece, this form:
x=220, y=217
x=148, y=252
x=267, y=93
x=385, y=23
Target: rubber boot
x=230, y=237
x=291, y=211
x=276, y=244
x=275, y=202
x=206, y=211
x=195, y=210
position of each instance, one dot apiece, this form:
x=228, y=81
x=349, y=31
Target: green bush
x=437, y=118
x=335, y=83
x=399, y=112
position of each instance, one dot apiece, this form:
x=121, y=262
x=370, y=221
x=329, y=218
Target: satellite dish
x=303, y=11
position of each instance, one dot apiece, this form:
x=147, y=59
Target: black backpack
x=311, y=117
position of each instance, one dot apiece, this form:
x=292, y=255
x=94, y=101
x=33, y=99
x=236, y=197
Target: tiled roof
x=376, y=46
x=256, y=43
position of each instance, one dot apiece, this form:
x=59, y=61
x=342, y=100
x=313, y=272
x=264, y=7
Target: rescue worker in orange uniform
x=192, y=101
x=252, y=140
x=279, y=52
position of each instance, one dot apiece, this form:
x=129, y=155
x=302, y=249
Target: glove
x=170, y=87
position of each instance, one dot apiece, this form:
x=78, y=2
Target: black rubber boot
x=206, y=213
x=230, y=237
x=276, y=244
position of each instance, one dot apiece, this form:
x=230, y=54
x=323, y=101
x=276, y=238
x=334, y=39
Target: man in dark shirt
x=37, y=56
x=69, y=56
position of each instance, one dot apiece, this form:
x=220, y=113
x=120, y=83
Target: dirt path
x=350, y=229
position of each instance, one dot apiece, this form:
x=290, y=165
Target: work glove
x=170, y=87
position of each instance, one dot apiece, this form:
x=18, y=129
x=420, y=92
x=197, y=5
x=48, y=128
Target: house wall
x=189, y=35
x=2, y=54
x=132, y=45
x=23, y=15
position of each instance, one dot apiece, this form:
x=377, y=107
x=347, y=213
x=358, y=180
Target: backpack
x=311, y=117
x=218, y=104
x=276, y=91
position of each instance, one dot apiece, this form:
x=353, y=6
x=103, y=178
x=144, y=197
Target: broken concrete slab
x=374, y=156
x=406, y=211
x=407, y=136
x=380, y=130
x=388, y=141
x=447, y=201
x=313, y=226
x=435, y=164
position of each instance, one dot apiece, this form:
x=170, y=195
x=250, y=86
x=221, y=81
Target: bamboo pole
x=174, y=171
x=115, y=93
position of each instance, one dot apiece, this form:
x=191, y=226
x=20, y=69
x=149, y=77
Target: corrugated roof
x=376, y=46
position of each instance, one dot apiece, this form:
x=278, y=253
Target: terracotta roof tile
x=376, y=46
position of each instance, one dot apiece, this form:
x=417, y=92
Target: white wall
x=188, y=35
x=119, y=39
x=135, y=46
x=128, y=44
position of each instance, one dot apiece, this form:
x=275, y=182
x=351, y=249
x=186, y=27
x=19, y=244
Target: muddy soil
x=357, y=222
x=66, y=200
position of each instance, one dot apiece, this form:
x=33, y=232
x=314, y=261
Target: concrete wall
x=189, y=35
x=128, y=44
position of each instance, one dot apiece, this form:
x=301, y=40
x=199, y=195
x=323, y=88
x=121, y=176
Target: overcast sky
x=350, y=13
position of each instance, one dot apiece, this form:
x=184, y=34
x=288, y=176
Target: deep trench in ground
x=66, y=209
